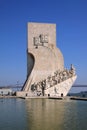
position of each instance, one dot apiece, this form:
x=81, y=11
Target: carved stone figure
x=54, y=80
x=72, y=69
x=33, y=87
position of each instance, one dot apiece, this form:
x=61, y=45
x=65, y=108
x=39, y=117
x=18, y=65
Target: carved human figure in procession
x=67, y=72
x=56, y=73
x=43, y=85
x=38, y=86
x=61, y=76
x=54, y=80
x=72, y=67
x=33, y=86
x=72, y=70
x=49, y=81
x=64, y=74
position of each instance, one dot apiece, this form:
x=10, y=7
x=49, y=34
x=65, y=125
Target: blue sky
x=71, y=19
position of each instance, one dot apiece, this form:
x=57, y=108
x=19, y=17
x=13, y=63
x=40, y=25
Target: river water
x=43, y=114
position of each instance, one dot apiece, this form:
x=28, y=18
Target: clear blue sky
x=71, y=19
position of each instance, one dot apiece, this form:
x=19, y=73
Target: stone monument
x=46, y=74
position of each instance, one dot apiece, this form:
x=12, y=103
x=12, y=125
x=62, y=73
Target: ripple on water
x=42, y=114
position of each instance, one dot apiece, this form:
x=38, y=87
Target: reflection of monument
x=46, y=75
x=43, y=114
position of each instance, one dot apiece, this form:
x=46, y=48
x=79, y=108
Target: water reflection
x=44, y=114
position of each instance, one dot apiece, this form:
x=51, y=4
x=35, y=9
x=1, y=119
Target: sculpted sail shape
x=46, y=75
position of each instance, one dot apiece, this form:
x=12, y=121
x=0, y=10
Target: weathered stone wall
x=61, y=88
x=48, y=57
x=36, y=29
x=30, y=63
x=43, y=60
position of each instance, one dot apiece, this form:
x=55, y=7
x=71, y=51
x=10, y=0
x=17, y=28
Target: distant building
x=5, y=91
x=80, y=94
x=83, y=94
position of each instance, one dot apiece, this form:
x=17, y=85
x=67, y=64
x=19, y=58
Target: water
x=42, y=114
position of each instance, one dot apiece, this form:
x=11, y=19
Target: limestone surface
x=43, y=60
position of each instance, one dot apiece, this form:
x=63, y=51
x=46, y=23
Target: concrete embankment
x=56, y=98
x=69, y=98
x=79, y=98
x=46, y=97
x=8, y=97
